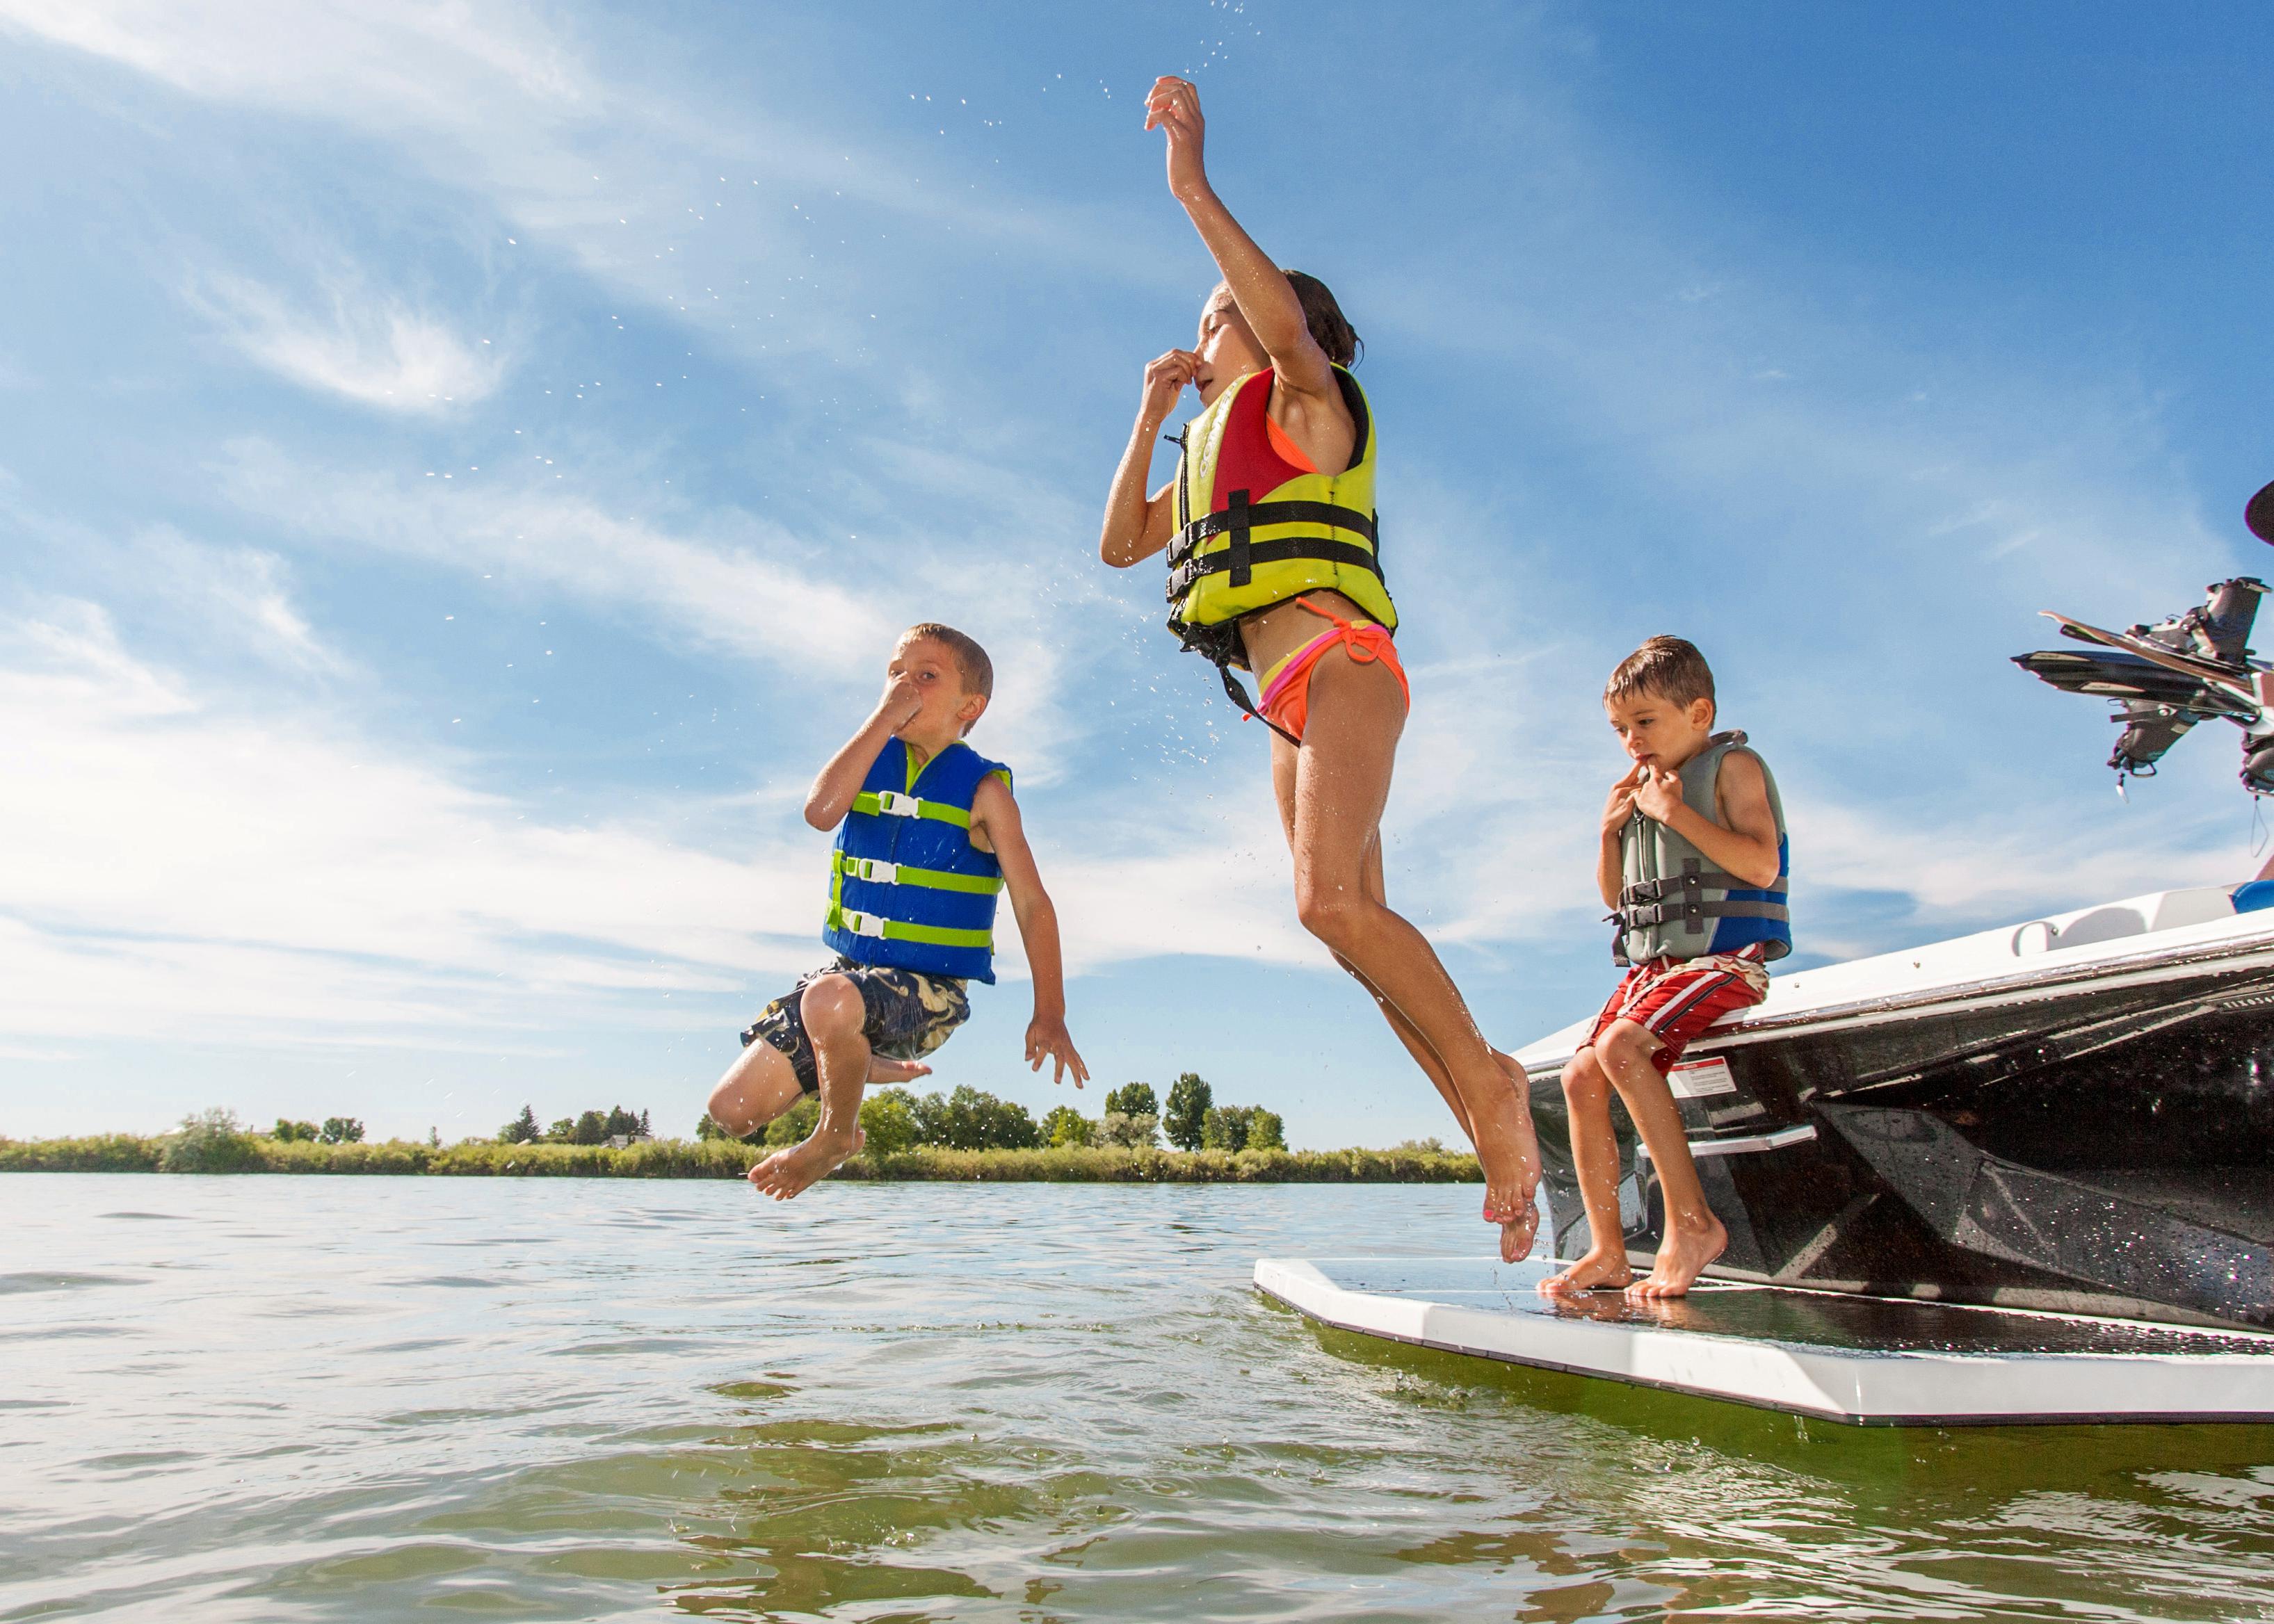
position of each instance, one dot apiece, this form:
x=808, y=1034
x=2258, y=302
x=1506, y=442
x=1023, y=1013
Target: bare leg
x=1595, y=1157
x=833, y=1017
x=1517, y=1231
x=1341, y=781
x=1283, y=778
x=761, y=1084
x=1694, y=1237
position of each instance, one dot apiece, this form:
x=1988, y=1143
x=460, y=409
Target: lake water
x=302, y=1398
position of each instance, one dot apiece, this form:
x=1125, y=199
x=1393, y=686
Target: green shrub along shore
x=964, y=1134
x=246, y=1152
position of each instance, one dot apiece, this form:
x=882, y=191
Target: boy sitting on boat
x=928, y=835
x=1693, y=863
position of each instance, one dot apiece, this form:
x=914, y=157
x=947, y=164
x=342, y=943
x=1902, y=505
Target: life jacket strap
x=1691, y=881
x=892, y=803
x=1640, y=917
x=1238, y=557
x=1682, y=897
x=1240, y=514
x=1237, y=694
x=877, y=871
x=876, y=925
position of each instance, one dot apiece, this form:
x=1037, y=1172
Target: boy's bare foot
x=1600, y=1266
x=1682, y=1257
x=790, y=1171
x=883, y=1070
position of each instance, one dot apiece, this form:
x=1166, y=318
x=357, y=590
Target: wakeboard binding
x=2194, y=666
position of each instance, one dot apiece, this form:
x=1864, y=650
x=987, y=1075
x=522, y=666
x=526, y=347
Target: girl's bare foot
x=1682, y=1257
x=1506, y=1143
x=793, y=1170
x=1600, y=1266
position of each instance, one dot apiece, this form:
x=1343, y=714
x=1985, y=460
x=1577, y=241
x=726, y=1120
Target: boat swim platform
x=1865, y=1361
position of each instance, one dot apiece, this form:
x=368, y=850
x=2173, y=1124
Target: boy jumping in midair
x=1693, y=862
x=928, y=835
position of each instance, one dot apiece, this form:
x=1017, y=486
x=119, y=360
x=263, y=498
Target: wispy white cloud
x=732, y=591
x=822, y=614
x=242, y=592
x=372, y=349
x=427, y=62
x=223, y=869
x=657, y=192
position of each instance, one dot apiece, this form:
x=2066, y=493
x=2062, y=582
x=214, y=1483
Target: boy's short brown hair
x=1668, y=668
x=971, y=661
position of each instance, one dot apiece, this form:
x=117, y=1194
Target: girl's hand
x=1164, y=380
x=1620, y=807
x=1174, y=107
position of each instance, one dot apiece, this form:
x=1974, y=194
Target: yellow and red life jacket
x=1255, y=529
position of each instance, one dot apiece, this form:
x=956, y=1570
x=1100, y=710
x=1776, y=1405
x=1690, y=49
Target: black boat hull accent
x=2011, y=1214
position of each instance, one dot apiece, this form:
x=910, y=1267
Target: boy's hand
x=901, y=700
x=1047, y=1039
x=1658, y=795
x=1174, y=106
x=1620, y=807
x=1164, y=380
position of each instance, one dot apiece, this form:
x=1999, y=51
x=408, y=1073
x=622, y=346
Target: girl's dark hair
x=1330, y=329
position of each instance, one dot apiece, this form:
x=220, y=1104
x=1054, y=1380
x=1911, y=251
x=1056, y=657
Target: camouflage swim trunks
x=905, y=1015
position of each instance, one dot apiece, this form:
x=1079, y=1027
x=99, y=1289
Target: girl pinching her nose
x=1274, y=568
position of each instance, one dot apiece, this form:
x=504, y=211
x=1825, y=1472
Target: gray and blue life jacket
x=907, y=887
x=1674, y=904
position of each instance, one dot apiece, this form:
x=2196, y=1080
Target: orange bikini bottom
x=1286, y=701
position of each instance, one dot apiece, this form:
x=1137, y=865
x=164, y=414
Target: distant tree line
x=968, y=1118
x=336, y=1130
x=584, y=1128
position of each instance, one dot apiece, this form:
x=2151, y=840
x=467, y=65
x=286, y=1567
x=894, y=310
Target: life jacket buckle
x=892, y=803
x=872, y=868
x=862, y=924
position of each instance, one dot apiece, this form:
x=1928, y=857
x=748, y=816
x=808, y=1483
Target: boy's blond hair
x=1668, y=668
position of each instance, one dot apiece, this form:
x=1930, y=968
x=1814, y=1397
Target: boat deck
x=1869, y=1361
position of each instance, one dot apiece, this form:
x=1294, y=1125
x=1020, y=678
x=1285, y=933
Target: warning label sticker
x=1695, y=1080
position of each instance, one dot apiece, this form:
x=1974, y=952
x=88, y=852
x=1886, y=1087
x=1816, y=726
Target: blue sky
x=461, y=470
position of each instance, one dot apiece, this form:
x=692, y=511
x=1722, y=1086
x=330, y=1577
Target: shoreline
x=130, y=1152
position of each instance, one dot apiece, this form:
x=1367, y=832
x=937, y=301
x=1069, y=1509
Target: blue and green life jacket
x=1674, y=904
x=907, y=887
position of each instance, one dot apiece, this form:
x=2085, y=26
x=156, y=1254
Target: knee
x=1334, y=914
x=729, y=1108
x=1585, y=1084
x=735, y=1105
x=1623, y=1048
x=830, y=1009
x=758, y=1087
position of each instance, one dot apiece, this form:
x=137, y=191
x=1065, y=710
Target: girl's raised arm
x=1260, y=288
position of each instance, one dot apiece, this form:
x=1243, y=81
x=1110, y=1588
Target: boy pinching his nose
x=1693, y=863
x=928, y=835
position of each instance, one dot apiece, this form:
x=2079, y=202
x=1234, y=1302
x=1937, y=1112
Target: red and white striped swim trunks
x=1676, y=999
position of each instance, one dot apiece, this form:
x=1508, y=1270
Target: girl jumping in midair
x=1269, y=530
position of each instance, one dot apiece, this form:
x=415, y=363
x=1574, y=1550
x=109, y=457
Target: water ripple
x=954, y=1402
